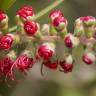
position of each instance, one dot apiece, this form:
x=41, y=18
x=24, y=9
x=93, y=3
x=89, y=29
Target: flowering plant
x=41, y=43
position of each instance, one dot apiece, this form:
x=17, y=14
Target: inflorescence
x=41, y=43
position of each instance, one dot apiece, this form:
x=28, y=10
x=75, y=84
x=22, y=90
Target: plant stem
x=44, y=38
x=47, y=9
x=12, y=29
x=41, y=13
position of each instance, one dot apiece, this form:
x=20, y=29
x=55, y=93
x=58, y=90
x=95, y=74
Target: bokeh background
x=81, y=82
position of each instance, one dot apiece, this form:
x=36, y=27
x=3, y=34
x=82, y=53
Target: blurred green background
x=81, y=82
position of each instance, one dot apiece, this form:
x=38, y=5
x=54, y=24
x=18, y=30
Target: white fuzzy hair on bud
x=51, y=46
x=69, y=59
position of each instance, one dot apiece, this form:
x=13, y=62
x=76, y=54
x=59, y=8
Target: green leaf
x=6, y=4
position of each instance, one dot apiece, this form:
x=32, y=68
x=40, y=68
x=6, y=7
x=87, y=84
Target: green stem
x=41, y=13
x=12, y=29
x=47, y=9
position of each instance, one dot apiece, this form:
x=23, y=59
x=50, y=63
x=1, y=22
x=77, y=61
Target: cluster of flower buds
x=59, y=22
x=8, y=63
x=85, y=26
x=24, y=19
x=45, y=48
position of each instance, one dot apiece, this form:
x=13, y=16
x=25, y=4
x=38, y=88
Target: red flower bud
x=60, y=23
x=6, y=42
x=3, y=21
x=5, y=67
x=7, y=63
x=55, y=13
x=2, y=15
x=30, y=28
x=71, y=41
x=89, y=58
x=51, y=65
x=88, y=20
x=24, y=63
x=46, y=50
x=68, y=41
x=67, y=64
x=25, y=12
x=67, y=67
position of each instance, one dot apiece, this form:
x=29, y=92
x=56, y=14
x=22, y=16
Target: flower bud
x=51, y=65
x=88, y=58
x=7, y=63
x=88, y=20
x=78, y=28
x=85, y=26
x=56, y=13
x=30, y=28
x=12, y=55
x=46, y=50
x=71, y=41
x=3, y=21
x=67, y=64
x=24, y=62
x=45, y=29
x=25, y=13
x=89, y=23
x=6, y=67
x=6, y=41
x=60, y=23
